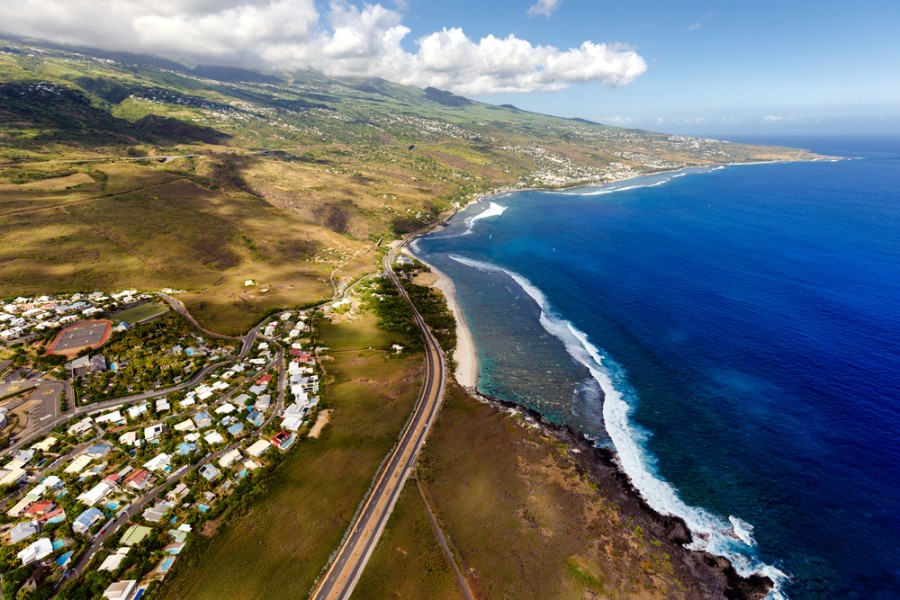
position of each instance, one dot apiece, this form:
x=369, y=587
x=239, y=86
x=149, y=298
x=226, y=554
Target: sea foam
x=732, y=538
x=493, y=210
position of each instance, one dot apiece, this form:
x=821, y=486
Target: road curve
x=364, y=532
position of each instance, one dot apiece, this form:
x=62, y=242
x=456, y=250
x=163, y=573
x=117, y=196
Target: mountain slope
x=289, y=179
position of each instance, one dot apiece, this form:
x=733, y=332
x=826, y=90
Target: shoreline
x=703, y=572
x=508, y=190
x=602, y=464
x=466, y=372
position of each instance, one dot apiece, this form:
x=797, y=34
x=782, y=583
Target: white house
x=36, y=551
x=258, y=448
x=229, y=458
x=97, y=493
x=158, y=462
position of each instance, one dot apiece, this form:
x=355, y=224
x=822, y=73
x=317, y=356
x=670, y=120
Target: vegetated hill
x=289, y=179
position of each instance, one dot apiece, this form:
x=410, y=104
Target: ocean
x=734, y=334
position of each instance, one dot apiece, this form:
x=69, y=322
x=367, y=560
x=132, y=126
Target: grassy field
x=279, y=547
x=407, y=563
x=522, y=520
x=140, y=313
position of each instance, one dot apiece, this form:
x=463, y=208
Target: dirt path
x=442, y=539
x=321, y=422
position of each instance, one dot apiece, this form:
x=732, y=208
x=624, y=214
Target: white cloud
x=618, y=120
x=544, y=7
x=769, y=119
x=347, y=40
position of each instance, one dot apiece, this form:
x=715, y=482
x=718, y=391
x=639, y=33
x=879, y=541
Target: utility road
x=364, y=532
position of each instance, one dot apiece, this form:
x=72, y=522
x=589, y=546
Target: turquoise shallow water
x=733, y=333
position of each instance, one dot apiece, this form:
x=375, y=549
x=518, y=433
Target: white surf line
x=729, y=539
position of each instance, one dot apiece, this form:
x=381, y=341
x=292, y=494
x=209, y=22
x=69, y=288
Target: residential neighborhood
x=117, y=489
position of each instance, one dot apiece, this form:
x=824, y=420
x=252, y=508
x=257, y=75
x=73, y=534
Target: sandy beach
x=466, y=359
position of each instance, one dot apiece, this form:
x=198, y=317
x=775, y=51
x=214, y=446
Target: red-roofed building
x=139, y=479
x=39, y=508
x=53, y=513
x=264, y=380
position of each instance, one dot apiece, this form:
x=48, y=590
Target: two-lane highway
x=365, y=531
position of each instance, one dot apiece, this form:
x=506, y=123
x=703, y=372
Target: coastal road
x=364, y=532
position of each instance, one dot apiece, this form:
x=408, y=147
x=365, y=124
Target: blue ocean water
x=734, y=333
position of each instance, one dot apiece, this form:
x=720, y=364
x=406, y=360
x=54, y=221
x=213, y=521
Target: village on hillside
x=150, y=430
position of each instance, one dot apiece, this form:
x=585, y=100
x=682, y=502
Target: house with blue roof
x=86, y=520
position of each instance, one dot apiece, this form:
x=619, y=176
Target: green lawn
x=140, y=313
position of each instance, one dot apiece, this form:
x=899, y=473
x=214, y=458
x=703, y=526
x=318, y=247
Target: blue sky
x=695, y=66
x=712, y=67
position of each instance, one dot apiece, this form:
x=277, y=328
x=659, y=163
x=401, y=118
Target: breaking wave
x=731, y=538
x=493, y=210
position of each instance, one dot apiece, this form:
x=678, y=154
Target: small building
x=185, y=448
x=114, y=417
x=78, y=464
x=186, y=425
x=137, y=410
x=180, y=491
x=134, y=535
x=20, y=506
x=23, y=531
x=98, y=450
x=40, y=508
x=130, y=438
x=113, y=562
x=81, y=427
x=225, y=409
x=292, y=423
x=202, y=419
x=162, y=405
x=157, y=511
x=80, y=366
x=255, y=418
x=209, y=472
x=263, y=403
x=160, y=462
x=139, y=479
x=46, y=444
x=36, y=551
x=214, y=437
x=153, y=432
x=120, y=590
x=12, y=476
x=37, y=578
x=98, y=493
x=258, y=448
x=83, y=522
x=229, y=458
x=97, y=363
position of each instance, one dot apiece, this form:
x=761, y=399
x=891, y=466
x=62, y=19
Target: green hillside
x=289, y=179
